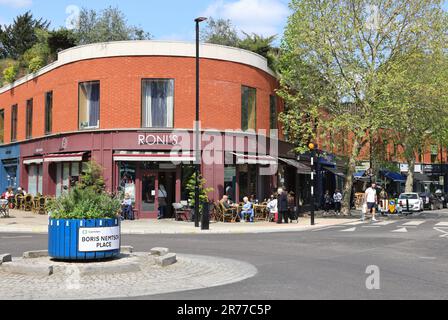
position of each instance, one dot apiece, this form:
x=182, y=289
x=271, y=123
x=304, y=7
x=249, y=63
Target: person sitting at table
x=247, y=210
x=226, y=202
x=272, y=207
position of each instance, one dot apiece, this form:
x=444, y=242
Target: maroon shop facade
x=140, y=162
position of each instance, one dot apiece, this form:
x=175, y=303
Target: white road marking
x=324, y=228
x=414, y=223
x=400, y=230
x=355, y=223
x=348, y=230
x=442, y=224
x=384, y=223
x=444, y=231
x=17, y=237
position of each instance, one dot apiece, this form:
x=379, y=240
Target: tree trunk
x=348, y=185
x=410, y=178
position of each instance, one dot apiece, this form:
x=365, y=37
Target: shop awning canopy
x=396, y=177
x=64, y=157
x=33, y=161
x=301, y=167
x=359, y=174
x=153, y=157
x=336, y=171
x=254, y=159
x=422, y=177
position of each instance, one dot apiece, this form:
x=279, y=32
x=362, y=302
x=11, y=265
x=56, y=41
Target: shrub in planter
x=84, y=224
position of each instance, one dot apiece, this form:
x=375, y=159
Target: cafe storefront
x=146, y=165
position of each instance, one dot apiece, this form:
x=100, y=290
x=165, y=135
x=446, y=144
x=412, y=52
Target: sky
x=164, y=19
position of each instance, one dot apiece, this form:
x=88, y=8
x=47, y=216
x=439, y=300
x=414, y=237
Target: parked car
x=414, y=200
x=431, y=201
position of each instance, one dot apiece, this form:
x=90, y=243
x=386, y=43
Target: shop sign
x=98, y=239
x=158, y=139
x=405, y=168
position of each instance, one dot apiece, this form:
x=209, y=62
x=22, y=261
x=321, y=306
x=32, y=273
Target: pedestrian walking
x=327, y=202
x=371, y=199
x=337, y=198
x=282, y=204
x=292, y=209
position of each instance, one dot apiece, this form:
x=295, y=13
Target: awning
x=254, y=159
x=64, y=157
x=33, y=161
x=153, y=157
x=301, y=167
x=359, y=174
x=394, y=176
x=422, y=177
x=336, y=171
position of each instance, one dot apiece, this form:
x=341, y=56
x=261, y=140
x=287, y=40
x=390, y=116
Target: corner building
x=122, y=105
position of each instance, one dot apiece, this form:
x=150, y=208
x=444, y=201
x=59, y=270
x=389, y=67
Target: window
x=273, y=112
x=35, y=179
x=157, y=103
x=29, y=119
x=2, y=126
x=14, y=123
x=89, y=105
x=248, y=108
x=48, y=112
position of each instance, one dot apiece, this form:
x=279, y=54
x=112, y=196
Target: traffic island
x=37, y=276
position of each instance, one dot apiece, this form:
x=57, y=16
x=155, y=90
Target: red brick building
x=126, y=104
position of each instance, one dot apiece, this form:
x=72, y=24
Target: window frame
x=273, y=98
x=141, y=101
x=243, y=87
x=80, y=128
x=49, y=113
x=29, y=119
x=14, y=120
x=2, y=118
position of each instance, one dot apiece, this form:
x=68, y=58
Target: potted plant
x=84, y=223
x=203, y=191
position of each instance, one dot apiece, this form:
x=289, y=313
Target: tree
x=417, y=97
x=92, y=178
x=220, y=31
x=20, y=36
x=10, y=72
x=38, y=55
x=203, y=191
x=61, y=39
x=108, y=25
x=350, y=46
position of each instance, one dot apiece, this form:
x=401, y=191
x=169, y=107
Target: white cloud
x=16, y=3
x=265, y=17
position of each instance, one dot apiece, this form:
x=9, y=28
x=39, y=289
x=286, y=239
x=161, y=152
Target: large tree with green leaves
x=107, y=25
x=20, y=36
x=220, y=31
x=349, y=47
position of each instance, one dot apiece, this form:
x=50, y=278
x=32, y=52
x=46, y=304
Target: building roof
x=148, y=48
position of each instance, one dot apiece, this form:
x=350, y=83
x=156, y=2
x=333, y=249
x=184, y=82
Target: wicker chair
x=229, y=214
x=27, y=203
x=18, y=201
x=42, y=209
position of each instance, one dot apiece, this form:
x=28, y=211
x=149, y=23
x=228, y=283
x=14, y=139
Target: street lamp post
x=313, y=171
x=197, y=133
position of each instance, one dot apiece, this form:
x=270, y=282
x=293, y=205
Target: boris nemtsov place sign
x=98, y=239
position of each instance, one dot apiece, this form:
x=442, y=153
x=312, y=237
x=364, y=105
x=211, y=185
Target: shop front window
x=247, y=180
x=157, y=103
x=230, y=181
x=127, y=179
x=89, y=105
x=187, y=173
x=35, y=179
x=67, y=174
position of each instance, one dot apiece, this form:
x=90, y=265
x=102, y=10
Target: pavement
x=329, y=262
x=28, y=222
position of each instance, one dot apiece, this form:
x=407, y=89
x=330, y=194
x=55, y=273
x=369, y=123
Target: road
x=328, y=263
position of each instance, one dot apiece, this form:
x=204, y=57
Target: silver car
x=412, y=200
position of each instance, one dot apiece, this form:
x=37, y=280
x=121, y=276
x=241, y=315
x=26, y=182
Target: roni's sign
x=98, y=239
x=158, y=139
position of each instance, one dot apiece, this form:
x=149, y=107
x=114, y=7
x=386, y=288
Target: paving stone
x=127, y=249
x=5, y=258
x=35, y=254
x=166, y=260
x=159, y=251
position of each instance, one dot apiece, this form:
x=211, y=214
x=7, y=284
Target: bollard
x=205, y=223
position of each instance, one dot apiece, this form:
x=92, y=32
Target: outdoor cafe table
x=4, y=204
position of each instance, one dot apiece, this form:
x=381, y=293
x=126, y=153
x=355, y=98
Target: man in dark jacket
x=282, y=204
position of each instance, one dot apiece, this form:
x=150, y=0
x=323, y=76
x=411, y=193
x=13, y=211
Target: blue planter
x=66, y=243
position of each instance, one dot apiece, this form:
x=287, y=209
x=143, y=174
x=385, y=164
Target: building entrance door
x=149, y=202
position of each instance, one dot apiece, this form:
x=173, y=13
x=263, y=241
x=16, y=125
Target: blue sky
x=166, y=19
